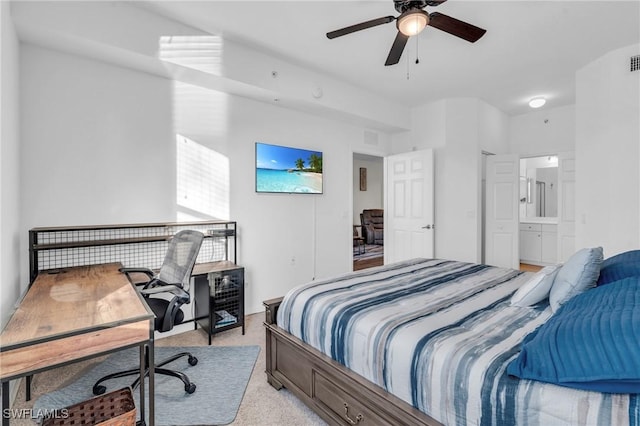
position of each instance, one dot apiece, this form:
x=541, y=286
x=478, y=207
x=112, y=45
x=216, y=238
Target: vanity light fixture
x=537, y=102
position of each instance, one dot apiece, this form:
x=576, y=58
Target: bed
x=424, y=342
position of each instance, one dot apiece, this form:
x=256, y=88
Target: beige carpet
x=261, y=405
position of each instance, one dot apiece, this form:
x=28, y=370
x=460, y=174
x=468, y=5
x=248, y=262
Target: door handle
x=429, y=227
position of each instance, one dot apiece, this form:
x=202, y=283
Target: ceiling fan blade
x=360, y=26
x=396, y=49
x=455, y=27
x=402, y=5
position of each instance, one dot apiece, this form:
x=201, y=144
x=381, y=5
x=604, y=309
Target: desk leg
x=6, y=414
x=28, y=387
x=144, y=360
x=147, y=365
x=152, y=377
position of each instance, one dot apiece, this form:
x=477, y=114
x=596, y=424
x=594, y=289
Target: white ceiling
x=531, y=47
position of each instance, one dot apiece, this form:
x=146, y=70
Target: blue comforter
x=592, y=342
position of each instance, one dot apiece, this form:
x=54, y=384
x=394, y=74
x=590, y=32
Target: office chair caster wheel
x=193, y=360
x=190, y=388
x=99, y=389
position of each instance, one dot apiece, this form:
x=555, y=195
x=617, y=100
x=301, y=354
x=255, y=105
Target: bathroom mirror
x=539, y=186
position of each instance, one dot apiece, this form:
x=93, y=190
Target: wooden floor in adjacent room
x=368, y=256
x=529, y=268
x=367, y=263
x=359, y=264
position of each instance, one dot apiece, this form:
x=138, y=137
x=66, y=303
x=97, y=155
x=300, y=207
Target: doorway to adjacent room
x=530, y=210
x=368, y=205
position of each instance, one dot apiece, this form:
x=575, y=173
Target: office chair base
x=189, y=387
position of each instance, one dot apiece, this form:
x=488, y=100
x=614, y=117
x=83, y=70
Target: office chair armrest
x=143, y=270
x=156, y=283
x=148, y=272
x=182, y=295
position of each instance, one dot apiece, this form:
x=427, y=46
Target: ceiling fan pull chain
x=417, y=51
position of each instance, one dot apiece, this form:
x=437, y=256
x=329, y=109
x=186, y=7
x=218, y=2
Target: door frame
x=561, y=155
x=350, y=211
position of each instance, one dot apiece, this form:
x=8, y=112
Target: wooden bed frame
x=335, y=393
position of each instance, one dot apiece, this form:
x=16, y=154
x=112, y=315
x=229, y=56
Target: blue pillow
x=620, y=266
x=591, y=343
x=578, y=274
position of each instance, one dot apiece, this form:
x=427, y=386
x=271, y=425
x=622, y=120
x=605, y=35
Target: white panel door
x=408, y=216
x=549, y=244
x=566, y=205
x=502, y=230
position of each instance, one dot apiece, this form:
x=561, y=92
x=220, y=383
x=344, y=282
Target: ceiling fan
x=413, y=20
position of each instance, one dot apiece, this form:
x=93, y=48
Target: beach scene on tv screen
x=286, y=169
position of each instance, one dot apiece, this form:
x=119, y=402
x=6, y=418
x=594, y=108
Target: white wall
x=140, y=37
x=446, y=126
x=607, y=152
x=372, y=198
x=314, y=230
x=103, y=151
x=493, y=129
x=428, y=128
x=105, y=131
x=96, y=142
x=9, y=167
x=544, y=131
x=107, y=113
x=458, y=130
x=458, y=164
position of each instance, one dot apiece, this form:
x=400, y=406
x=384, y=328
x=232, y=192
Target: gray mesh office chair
x=173, y=279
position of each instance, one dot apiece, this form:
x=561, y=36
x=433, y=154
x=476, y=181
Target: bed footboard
x=336, y=394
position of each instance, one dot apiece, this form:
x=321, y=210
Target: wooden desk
x=74, y=314
x=207, y=267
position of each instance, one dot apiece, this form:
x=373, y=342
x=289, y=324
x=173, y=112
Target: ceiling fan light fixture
x=537, y=102
x=412, y=22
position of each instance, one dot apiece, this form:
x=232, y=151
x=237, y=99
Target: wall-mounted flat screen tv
x=288, y=170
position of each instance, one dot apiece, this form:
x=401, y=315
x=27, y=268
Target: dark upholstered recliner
x=372, y=221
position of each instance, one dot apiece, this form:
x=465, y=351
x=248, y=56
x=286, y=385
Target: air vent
x=370, y=138
x=635, y=63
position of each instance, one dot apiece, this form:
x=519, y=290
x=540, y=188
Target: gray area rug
x=221, y=377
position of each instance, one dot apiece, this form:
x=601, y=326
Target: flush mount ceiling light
x=412, y=22
x=537, y=102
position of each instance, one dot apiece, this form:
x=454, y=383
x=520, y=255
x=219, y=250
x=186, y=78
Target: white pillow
x=578, y=274
x=537, y=288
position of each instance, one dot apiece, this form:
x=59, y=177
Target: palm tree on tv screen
x=315, y=163
x=300, y=163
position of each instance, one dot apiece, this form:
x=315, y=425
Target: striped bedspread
x=439, y=335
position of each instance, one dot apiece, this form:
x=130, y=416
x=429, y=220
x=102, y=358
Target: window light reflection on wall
x=199, y=52
x=202, y=181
